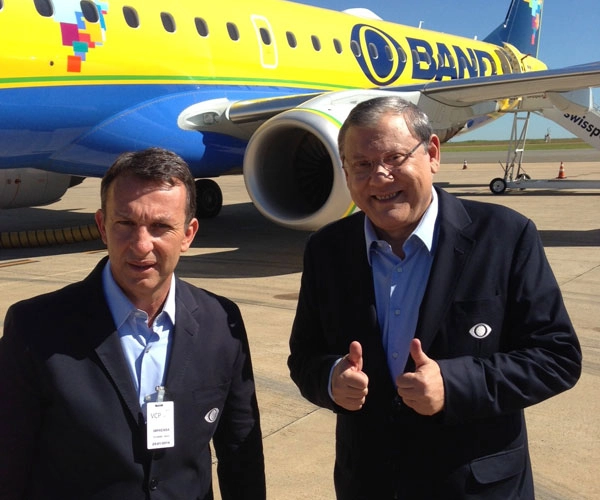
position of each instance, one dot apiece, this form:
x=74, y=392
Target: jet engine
x=30, y=187
x=293, y=172
x=292, y=167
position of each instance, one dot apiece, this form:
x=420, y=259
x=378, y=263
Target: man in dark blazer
x=75, y=420
x=428, y=324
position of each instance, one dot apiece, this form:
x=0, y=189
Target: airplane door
x=266, y=42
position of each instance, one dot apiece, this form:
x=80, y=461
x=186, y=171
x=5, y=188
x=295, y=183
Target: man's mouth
x=385, y=197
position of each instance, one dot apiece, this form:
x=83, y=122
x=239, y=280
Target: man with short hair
x=114, y=387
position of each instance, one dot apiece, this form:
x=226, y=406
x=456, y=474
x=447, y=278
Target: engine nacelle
x=30, y=187
x=293, y=172
x=292, y=168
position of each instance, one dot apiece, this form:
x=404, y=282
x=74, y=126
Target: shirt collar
x=121, y=307
x=424, y=231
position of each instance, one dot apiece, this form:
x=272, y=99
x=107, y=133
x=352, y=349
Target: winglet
x=522, y=26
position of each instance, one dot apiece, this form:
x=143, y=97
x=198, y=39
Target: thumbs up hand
x=423, y=389
x=349, y=384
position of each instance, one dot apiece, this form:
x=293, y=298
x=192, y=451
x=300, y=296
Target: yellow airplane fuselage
x=268, y=43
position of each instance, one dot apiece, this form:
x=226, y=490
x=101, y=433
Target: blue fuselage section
x=80, y=130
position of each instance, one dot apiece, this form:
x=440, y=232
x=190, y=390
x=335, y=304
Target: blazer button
x=153, y=484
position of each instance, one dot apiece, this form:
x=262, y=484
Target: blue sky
x=570, y=35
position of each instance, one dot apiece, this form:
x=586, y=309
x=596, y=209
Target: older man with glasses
x=427, y=323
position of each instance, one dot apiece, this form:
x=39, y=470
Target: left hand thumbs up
x=423, y=389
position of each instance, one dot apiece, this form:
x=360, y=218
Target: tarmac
x=247, y=258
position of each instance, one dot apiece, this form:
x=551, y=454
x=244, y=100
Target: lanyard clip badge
x=161, y=422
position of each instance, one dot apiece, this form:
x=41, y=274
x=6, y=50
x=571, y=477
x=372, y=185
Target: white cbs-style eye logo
x=480, y=330
x=212, y=415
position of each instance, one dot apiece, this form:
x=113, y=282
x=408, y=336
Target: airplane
x=257, y=89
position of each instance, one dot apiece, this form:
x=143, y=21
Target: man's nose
x=380, y=164
x=141, y=239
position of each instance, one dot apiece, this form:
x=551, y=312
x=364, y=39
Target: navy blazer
x=71, y=427
x=490, y=270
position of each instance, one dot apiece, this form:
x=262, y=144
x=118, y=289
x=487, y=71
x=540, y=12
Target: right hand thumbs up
x=349, y=384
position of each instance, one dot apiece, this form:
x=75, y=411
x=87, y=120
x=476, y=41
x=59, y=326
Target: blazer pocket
x=209, y=401
x=475, y=326
x=498, y=467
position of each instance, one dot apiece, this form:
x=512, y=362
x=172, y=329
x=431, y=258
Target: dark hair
x=153, y=164
x=369, y=113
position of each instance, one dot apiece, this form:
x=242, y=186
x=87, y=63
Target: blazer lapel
x=453, y=249
x=111, y=355
x=104, y=339
x=184, y=337
x=366, y=328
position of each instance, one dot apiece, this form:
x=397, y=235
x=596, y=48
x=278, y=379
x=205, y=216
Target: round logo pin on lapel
x=480, y=330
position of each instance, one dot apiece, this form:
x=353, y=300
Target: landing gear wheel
x=498, y=185
x=209, y=199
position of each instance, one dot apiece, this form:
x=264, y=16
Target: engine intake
x=293, y=172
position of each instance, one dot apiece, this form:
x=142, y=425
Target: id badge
x=160, y=425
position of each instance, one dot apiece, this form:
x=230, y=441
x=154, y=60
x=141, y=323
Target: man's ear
x=99, y=217
x=434, y=151
x=190, y=233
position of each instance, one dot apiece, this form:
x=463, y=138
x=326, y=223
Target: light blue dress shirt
x=400, y=284
x=146, y=349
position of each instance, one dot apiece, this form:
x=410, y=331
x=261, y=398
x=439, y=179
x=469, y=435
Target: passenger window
x=401, y=54
x=373, y=52
x=505, y=63
x=337, y=45
x=483, y=67
x=131, y=17
x=201, y=27
x=355, y=47
x=90, y=12
x=388, y=53
x=316, y=43
x=234, y=34
x=291, y=39
x=44, y=7
x=265, y=36
x=168, y=22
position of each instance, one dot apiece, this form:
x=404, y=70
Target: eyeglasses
x=363, y=169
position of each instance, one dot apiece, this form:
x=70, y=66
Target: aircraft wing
x=291, y=164
x=475, y=90
x=480, y=95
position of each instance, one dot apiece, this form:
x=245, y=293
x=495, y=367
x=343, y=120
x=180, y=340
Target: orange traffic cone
x=561, y=172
